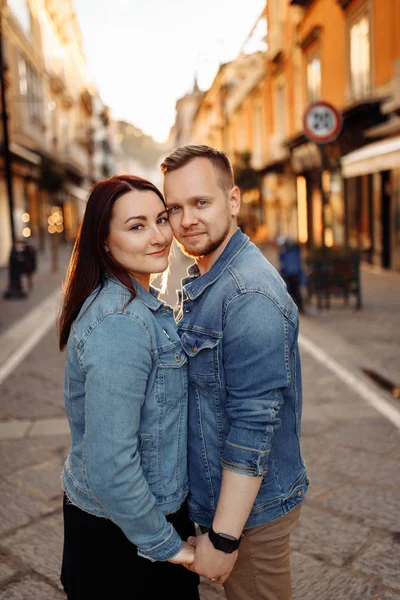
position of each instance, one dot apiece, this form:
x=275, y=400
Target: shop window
x=302, y=213
x=316, y=216
x=360, y=56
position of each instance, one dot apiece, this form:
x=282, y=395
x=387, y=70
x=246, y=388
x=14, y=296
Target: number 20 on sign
x=322, y=122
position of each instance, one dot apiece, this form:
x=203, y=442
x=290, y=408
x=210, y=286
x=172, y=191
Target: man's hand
x=209, y=562
x=185, y=555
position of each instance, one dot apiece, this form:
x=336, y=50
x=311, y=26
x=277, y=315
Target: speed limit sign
x=322, y=122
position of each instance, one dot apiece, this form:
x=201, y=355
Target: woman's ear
x=106, y=248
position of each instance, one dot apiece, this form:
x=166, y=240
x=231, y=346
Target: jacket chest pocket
x=202, y=350
x=171, y=380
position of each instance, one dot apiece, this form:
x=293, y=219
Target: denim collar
x=195, y=284
x=149, y=298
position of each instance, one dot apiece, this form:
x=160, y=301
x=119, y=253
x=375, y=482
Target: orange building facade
x=346, y=52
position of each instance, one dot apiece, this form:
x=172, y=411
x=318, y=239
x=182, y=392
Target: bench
x=333, y=274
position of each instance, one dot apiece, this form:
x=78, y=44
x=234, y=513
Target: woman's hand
x=185, y=555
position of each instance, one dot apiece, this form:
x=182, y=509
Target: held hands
x=185, y=555
x=209, y=562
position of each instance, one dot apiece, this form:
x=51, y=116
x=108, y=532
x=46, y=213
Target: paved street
x=44, y=281
x=347, y=546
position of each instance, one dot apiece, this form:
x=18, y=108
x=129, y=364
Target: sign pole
x=322, y=124
x=324, y=193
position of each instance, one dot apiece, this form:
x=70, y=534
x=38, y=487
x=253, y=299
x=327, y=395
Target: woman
x=125, y=479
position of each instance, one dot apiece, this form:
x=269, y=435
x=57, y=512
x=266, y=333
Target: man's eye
x=174, y=209
x=201, y=203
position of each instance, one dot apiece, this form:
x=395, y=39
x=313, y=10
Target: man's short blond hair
x=183, y=155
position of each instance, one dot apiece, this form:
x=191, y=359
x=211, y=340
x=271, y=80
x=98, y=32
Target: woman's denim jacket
x=126, y=402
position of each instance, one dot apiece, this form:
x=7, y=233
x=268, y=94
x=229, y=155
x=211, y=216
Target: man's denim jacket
x=126, y=402
x=239, y=328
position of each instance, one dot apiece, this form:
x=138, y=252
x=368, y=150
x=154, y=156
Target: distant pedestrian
x=29, y=263
x=125, y=479
x=291, y=269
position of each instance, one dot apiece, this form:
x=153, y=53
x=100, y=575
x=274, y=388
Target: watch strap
x=224, y=542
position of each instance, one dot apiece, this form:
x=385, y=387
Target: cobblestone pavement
x=347, y=546
x=373, y=333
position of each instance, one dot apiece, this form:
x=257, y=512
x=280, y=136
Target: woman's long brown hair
x=89, y=260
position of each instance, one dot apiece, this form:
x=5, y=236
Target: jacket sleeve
x=256, y=366
x=117, y=360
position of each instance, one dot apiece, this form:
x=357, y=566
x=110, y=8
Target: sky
x=142, y=55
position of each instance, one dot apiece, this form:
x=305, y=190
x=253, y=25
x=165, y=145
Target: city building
x=54, y=116
x=346, y=53
x=185, y=109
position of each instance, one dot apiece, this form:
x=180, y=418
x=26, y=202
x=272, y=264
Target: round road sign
x=322, y=122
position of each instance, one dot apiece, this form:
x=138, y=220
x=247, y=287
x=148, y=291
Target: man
x=239, y=328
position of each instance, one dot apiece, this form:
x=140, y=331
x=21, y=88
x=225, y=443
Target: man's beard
x=208, y=248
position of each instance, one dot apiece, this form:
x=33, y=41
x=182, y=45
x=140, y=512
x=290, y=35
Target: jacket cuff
x=166, y=550
x=244, y=460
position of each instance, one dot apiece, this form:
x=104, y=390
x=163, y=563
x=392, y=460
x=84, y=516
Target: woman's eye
x=162, y=220
x=136, y=227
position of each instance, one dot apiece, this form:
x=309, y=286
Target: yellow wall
x=386, y=29
x=329, y=15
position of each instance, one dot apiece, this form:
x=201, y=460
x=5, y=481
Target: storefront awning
x=25, y=154
x=379, y=156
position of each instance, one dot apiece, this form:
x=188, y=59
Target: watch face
x=224, y=542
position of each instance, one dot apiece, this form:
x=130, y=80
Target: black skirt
x=100, y=563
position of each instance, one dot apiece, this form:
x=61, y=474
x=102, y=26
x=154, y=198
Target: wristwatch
x=224, y=542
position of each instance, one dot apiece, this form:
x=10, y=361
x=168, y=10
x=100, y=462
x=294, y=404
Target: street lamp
x=14, y=290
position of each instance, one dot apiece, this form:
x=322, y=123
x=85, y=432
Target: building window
x=30, y=89
x=360, y=57
x=20, y=11
x=313, y=76
x=280, y=109
x=258, y=133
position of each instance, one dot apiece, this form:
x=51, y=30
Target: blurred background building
x=62, y=136
x=346, y=52
x=137, y=153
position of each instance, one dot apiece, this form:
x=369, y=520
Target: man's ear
x=234, y=199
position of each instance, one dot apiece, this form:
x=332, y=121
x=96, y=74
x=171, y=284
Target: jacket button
x=307, y=482
x=299, y=493
x=177, y=357
x=194, y=348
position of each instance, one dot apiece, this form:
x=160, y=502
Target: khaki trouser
x=262, y=570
